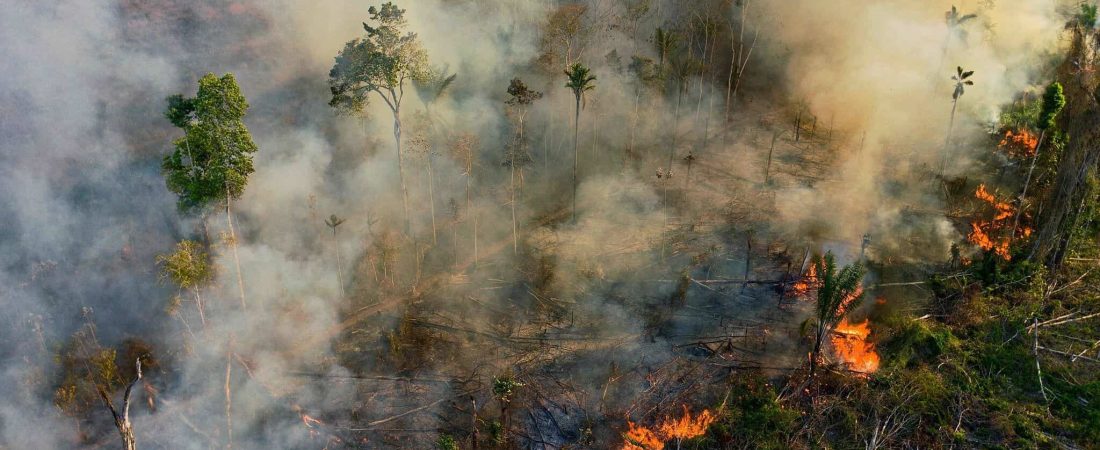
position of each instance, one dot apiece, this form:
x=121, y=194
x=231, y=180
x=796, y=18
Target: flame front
x=808, y=281
x=982, y=231
x=686, y=427
x=851, y=344
x=1019, y=145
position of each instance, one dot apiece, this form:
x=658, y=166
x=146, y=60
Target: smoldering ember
x=549, y=224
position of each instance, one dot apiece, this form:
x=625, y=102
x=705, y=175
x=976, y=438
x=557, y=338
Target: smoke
x=86, y=212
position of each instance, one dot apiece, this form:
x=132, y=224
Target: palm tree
x=664, y=42
x=580, y=81
x=954, y=28
x=334, y=222
x=961, y=82
x=838, y=293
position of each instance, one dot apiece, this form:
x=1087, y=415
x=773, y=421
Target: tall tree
x=839, y=292
x=1053, y=102
x=430, y=89
x=380, y=62
x=580, y=81
x=954, y=21
x=334, y=223
x=520, y=100
x=212, y=161
x=961, y=81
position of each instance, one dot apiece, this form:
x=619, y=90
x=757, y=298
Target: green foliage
x=961, y=81
x=213, y=160
x=504, y=387
x=838, y=291
x=1053, y=101
x=1021, y=114
x=379, y=62
x=188, y=267
x=433, y=85
x=752, y=418
x=1086, y=16
x=446, y=442
x=580, y=80
x=918, y=342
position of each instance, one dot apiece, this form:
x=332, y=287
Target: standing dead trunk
x=1027, y=181
x=122, y=419
x=401, y=168
x=431, y=195
x=199, y=306
x=947, y=140
x=576, y=151
x=228, y=399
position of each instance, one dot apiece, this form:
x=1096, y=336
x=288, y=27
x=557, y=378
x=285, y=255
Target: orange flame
x=686, y=427
x=1020, y=145
x=852, y=346
x=982, y=231
x=808, y=282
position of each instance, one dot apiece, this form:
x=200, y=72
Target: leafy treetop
x=379, y=62
x=213, y=160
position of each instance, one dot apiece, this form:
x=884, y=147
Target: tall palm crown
x=580, y=80
x=960, y=78
x=839, y=291
x=955, y=20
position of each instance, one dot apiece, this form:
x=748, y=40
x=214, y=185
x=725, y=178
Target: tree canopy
x=379, y=62
x=213, y=160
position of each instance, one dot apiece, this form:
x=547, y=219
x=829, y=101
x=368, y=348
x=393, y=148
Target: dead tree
x=122, y=420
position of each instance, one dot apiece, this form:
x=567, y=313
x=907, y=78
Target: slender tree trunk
x=576, y=152
x=512, y=183
x=401, y=168
x=768, y=167
x=947, y=140
x=199, y=306
x=233, y=239
x=821, y=331
x=1027, y=181
x=228, y=400
x=339, y=262
x=431, y=195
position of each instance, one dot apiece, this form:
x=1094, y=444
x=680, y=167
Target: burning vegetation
x=671, y=429
x=490, y=263
x=853, y=346
x=994, y=234
x=1021, y=144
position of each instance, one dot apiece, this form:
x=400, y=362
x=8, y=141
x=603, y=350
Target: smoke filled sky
x=84, y=209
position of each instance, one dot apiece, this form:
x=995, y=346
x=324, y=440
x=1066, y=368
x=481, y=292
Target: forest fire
x=852, y=346
x=983, y=232
x=1021, y=144
x=805, y=284
x=686, y=427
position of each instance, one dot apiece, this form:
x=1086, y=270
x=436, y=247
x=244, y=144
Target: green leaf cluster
x=213, y=160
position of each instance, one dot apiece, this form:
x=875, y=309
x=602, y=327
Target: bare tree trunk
x=199, y=306
x=768, y=167
x=339, y=262
x=431, y=194
x=401, y=168
x=947, y=140
x=228, y=400
x=233, y=243
x=512, y=202
x=122, y=419
x=1027, y=181
x=576, y=152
